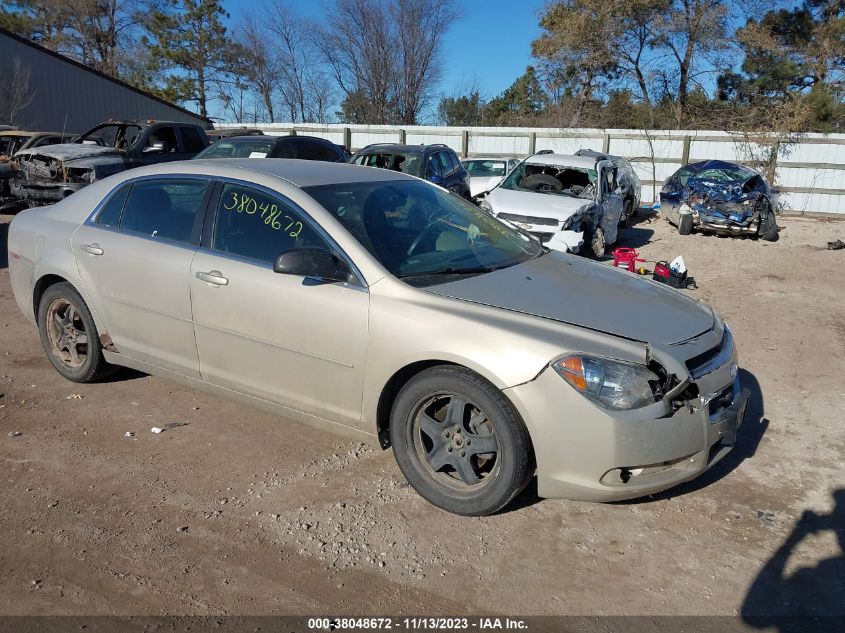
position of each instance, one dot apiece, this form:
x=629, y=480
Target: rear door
x=134, y=257
x=290, y=340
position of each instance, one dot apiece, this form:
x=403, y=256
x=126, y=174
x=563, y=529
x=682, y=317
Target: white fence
x=810, y=172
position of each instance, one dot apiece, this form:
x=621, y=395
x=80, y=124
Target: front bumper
x=548, y=230
x=43, y=191
x=586, y=453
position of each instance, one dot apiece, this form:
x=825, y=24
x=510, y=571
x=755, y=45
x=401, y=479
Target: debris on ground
x=172, y=425
x=15, y=434
x=182, y=528
x=74, y=396
x=129, y=434
x=835, y=245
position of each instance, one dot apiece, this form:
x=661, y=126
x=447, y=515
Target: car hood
x=70, y=151
x=548, y=205
x=576, y=291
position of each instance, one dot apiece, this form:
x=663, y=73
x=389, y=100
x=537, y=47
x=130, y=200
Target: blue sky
x=490, y=45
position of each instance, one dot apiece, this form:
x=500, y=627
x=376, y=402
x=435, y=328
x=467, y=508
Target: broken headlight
x=571, y=221
x=609, y=383
x=79, y=174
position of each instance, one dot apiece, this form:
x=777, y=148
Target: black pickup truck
x=48, y=174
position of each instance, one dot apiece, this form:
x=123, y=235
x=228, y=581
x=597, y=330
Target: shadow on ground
x=811, y=598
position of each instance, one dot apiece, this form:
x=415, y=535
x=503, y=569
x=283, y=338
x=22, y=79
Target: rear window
x=238, y=149
x=164, y=209
x=486, y=168
x=109, y=215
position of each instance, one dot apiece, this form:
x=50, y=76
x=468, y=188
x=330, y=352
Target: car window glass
x=237, y=149
x=192, y=139
x=285, y=149
x=327, y=152
x=166, y=135
x=109, y=215
x=445, y=163
x=164, y=208
x=253, y=224
x=453, y=160
x=308, y=150
x=432, y=166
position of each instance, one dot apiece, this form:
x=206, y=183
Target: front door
x=291, y=340
x=134, y=258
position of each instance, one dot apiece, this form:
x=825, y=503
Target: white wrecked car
x=571, y=203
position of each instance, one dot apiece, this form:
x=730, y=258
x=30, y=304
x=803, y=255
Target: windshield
x=575, y=182
x=725, y=174
x=405, y=163
x=423, y=234
x=120, y=136
x=238, y=149
x=486, y=168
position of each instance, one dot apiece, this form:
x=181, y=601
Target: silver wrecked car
x=373, y=302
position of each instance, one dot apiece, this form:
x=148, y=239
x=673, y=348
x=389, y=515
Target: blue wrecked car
x=721, y=197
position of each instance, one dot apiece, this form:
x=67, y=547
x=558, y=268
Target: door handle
x=213, y=277
x=92, y=249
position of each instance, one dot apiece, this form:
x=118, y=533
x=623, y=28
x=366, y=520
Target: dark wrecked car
x=12, y=142
x=721, y=197
x=46, y=175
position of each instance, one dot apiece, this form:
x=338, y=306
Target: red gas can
x=626, y=258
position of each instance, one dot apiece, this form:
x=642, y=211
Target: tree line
x=656, y=64
x=674, y=64
x=365, y=61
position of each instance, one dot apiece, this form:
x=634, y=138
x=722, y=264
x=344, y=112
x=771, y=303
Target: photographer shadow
x=812, y=598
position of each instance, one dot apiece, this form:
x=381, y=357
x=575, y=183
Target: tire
x=541, y=182
x=685, y=224
x=436, y=418
x=768, y=228
x=626, y=212
x=595, y=243
x=63, y=319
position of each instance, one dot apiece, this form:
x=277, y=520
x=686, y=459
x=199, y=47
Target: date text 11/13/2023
x=416, y=624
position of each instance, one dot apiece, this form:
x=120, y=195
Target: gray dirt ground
x=286, y=520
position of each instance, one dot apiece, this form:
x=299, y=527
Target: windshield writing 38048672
x=269, y=213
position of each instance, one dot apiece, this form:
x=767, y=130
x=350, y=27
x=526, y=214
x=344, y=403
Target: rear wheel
x=69, y=335
x=459, y=441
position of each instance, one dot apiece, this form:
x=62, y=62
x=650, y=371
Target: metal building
x=43, y=90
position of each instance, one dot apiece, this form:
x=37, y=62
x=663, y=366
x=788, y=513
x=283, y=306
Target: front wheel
x=768, y=228
x=459, y=442
x=69, y=335
x=596, y=243
x=685, y=224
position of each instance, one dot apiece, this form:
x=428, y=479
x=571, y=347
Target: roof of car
x=469, y=158
x=562, y=160
x=302, y=173
x=259, y=138
x=398, y=148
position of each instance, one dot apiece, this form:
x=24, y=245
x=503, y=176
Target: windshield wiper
x=454, y=271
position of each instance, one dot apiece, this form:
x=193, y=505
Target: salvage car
x=436, y=163
x=304, y=147
x=485, y=172
x=626, y=178
x=721, y=197
x=49, y=174
x=12, y=142
x=372, y=302
x=570, y=203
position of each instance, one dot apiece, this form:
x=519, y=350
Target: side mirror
x=159, y=147
x=312, y=262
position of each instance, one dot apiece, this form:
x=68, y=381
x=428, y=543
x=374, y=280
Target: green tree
x=521, y=103
x=463, y=110
x=188, y=44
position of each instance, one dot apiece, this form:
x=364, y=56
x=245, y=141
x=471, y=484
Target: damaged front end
x=731, y=208
x=47, y=177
